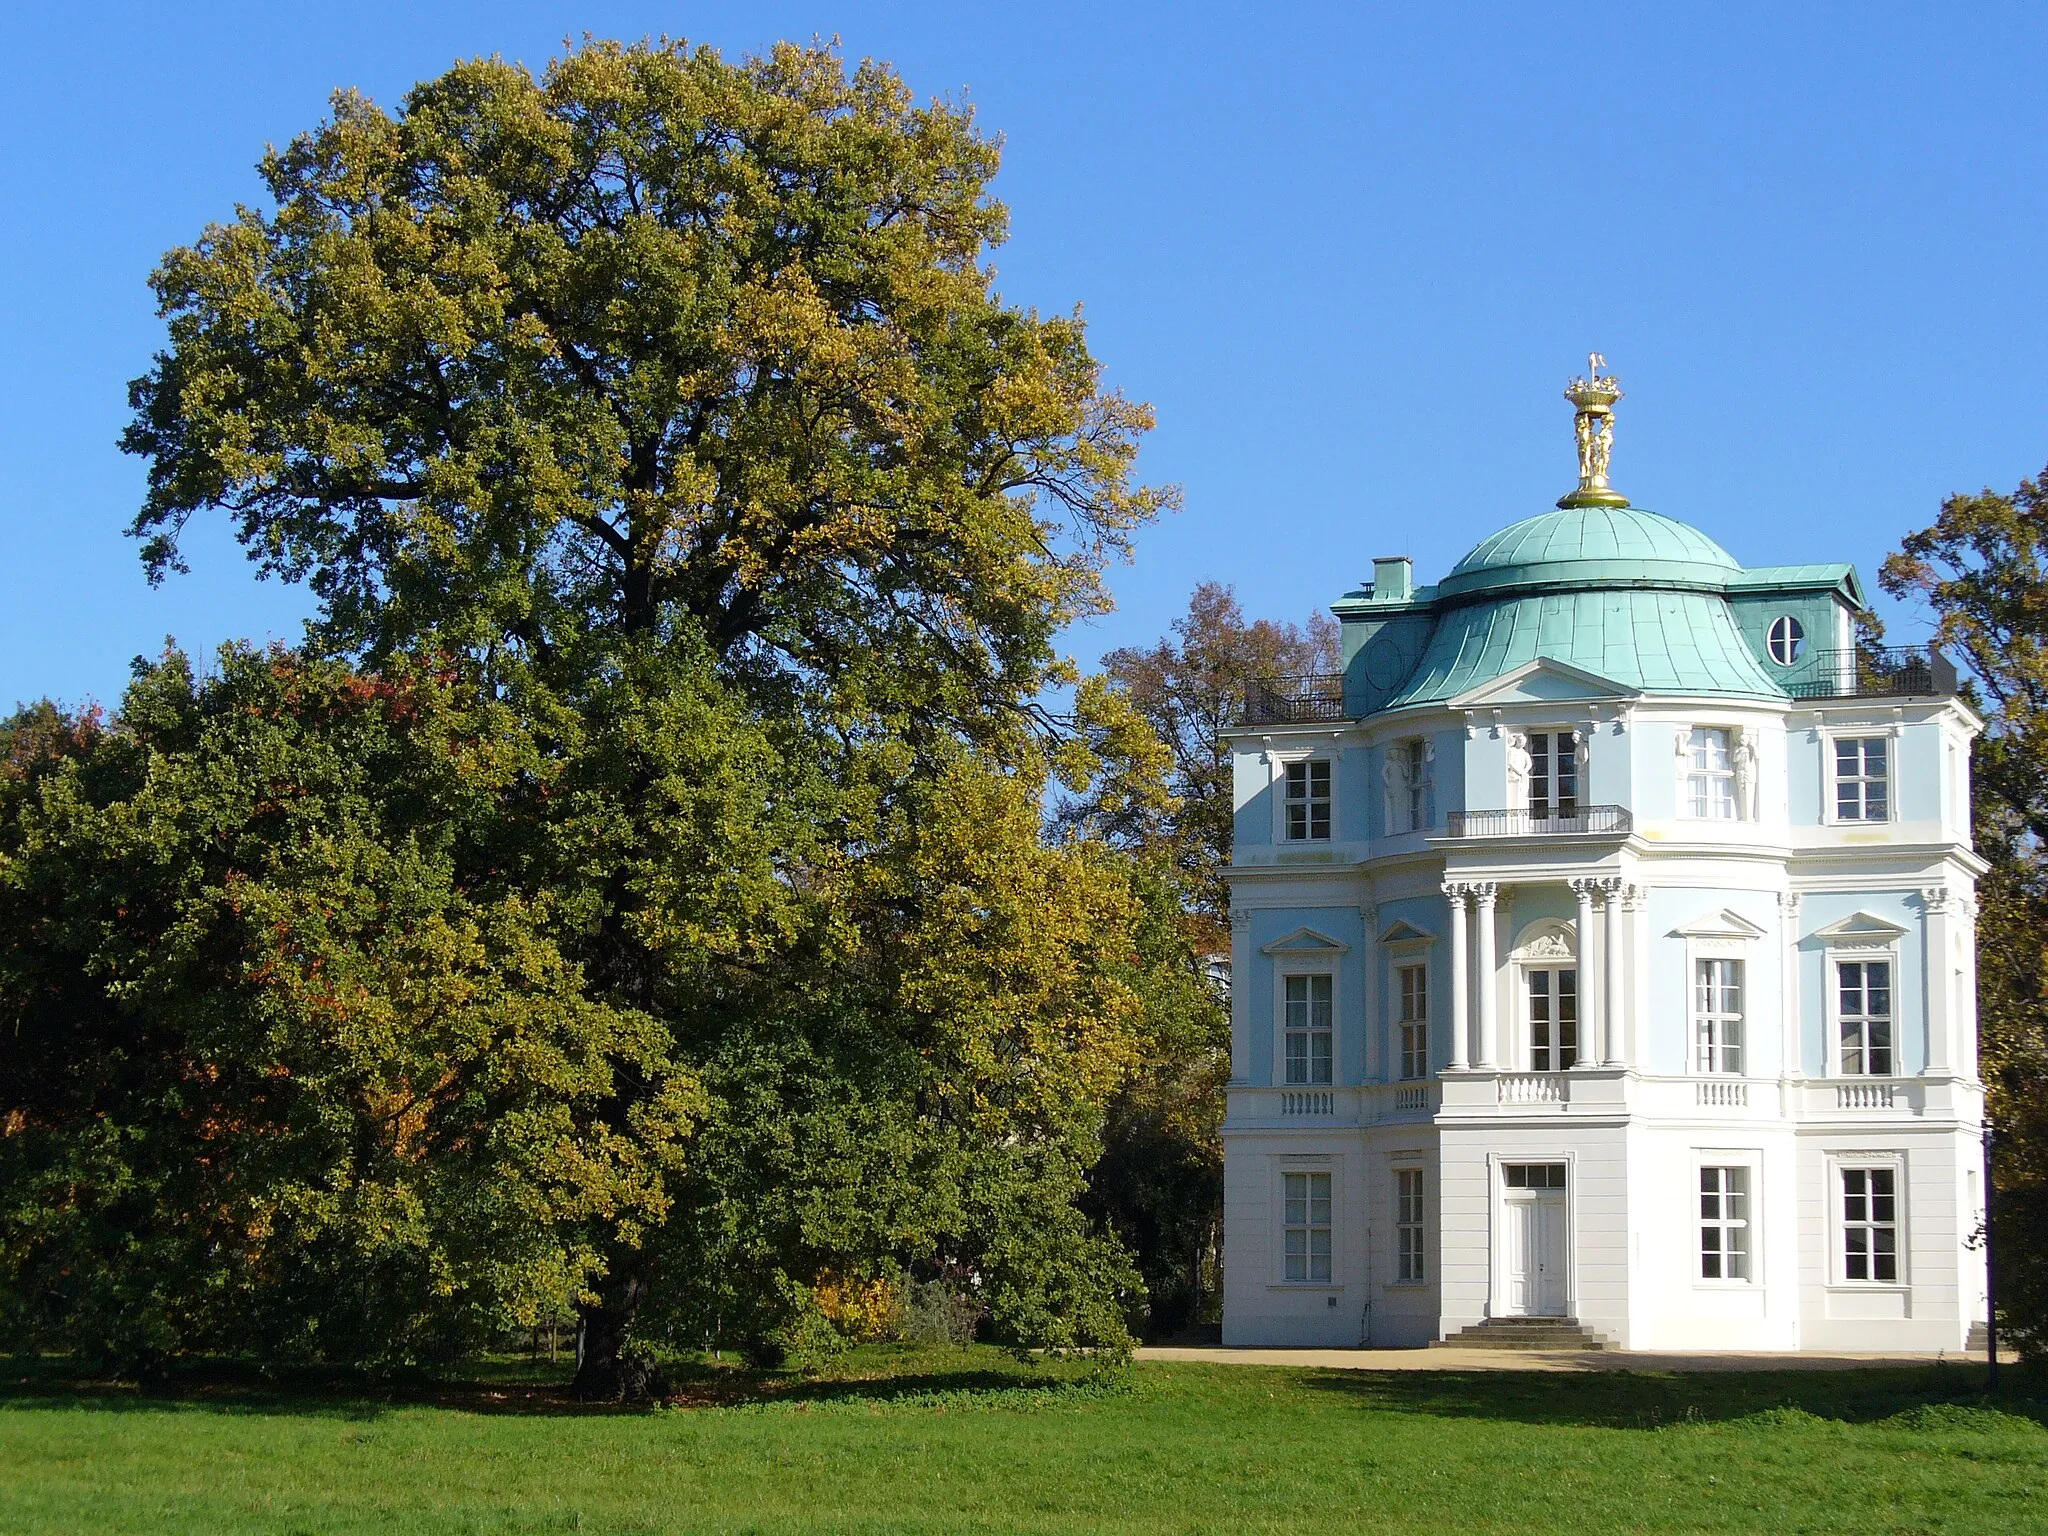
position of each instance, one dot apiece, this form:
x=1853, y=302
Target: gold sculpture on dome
x=1594, y=397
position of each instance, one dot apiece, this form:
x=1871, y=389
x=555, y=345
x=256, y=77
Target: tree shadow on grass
x=1651, y=1400
x=230, y=1386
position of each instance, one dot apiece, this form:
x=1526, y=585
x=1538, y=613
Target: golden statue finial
x=1594, y=396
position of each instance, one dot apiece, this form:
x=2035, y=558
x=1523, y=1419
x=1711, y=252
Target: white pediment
x=1544, y=681
x=1724, y=924
x=1405, y=932
x=1860, y=930
x=1305, y=941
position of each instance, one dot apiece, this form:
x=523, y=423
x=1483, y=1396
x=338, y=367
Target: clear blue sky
x=1350, y=253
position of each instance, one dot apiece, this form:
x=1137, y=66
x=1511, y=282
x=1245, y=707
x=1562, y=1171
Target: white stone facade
x=1754, y=913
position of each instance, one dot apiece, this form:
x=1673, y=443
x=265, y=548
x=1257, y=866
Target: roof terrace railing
x=1299, y=700
x=1525, y=823
x=1877, y=672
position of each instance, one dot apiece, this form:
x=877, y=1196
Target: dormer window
x=1787, y=640
x=1308, y=800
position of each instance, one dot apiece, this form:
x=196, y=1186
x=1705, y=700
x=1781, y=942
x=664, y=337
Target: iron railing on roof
x=1298, y=700
x=1876, y=672
x=1525, y=823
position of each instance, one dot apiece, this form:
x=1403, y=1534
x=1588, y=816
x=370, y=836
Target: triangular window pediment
x=1305, y=941
x=1859, y=928
x=1724, y=924
x=1405, y=932
x=1544, y=681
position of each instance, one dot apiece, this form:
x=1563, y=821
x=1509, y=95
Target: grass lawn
x=899, y=1439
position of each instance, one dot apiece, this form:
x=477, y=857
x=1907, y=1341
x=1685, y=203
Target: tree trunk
x=607, y=1370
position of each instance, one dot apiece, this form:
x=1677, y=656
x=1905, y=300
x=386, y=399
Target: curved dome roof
x=1589, y=547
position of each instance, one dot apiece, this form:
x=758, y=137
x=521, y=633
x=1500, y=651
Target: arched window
x=1788, y=640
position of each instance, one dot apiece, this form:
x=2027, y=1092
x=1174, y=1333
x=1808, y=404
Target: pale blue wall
x=1664, y=1033
x=1431, y=915
x=1909, y=1005
x=1343, y=924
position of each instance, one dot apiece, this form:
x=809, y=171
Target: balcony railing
x=1523, y=823
x=1294, y=700
x=1873, y=672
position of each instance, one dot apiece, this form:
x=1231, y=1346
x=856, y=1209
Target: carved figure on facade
x=1743, y=753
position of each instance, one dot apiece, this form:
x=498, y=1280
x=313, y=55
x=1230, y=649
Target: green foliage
x=284, y=1074
x=672, y=399
x=1983, y=567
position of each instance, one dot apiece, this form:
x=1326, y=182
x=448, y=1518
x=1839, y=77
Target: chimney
x=1393, y=579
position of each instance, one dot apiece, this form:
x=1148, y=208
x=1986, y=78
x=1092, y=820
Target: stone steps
x=1980, y=1339
x=1530, y=1333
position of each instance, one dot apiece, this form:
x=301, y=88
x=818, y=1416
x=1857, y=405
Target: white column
x=1485, y=893
x=1941, y=979
x=1610, y=994
x=1461, y=970
x=1592, y=1013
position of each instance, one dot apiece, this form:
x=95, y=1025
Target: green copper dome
x=1576, y=548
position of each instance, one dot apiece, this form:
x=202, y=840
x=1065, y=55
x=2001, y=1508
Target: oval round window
x=1788, y=639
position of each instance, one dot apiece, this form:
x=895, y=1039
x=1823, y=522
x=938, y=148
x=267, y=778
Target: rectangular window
x=1864, y=1004
x=1310, y=1028
x=1414, y=1020
x=1553, y=774
x=1533, y=1175
x=1710, y=775
x=1408, y=1224
x=1308, y=800
x=1717, y=1016
x=1724, y=1223
x=1870, y=1225
x=1862, y=778
x=1553, y=1019
x=1308, y=1227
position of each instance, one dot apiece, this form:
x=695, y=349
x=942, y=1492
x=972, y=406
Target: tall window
x=1717, y=1016
x=1553, y=1018
x=1870, y=1225
x=1408, y=1224
x=1308, y=800
x=1308, y=1226
x=1862, y=779
x=1710, y=774
x=1724, y=1223
x=1309, y=1029
x=1863, y=992
x=1414, y=980
x=1553, y=774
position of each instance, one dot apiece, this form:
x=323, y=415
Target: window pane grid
x=1310, y=1030
x=1864, y=1003
x=1724, y=1223
x=1862, y=778
x=1870, y=1225
x=1308, y=800
x=1553, y=774
x=1553, y=1019
x=1710, y=775
x=1717, y=1016
x=1408, y=1224
x=1307, y=1227
x=1414, y=983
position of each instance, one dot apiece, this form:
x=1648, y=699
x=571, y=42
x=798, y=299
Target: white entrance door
x=1533, y=1259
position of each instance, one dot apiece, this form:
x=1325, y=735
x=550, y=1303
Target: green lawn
x=948, y=1440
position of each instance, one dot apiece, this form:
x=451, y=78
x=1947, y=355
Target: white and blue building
x=1601, y=945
